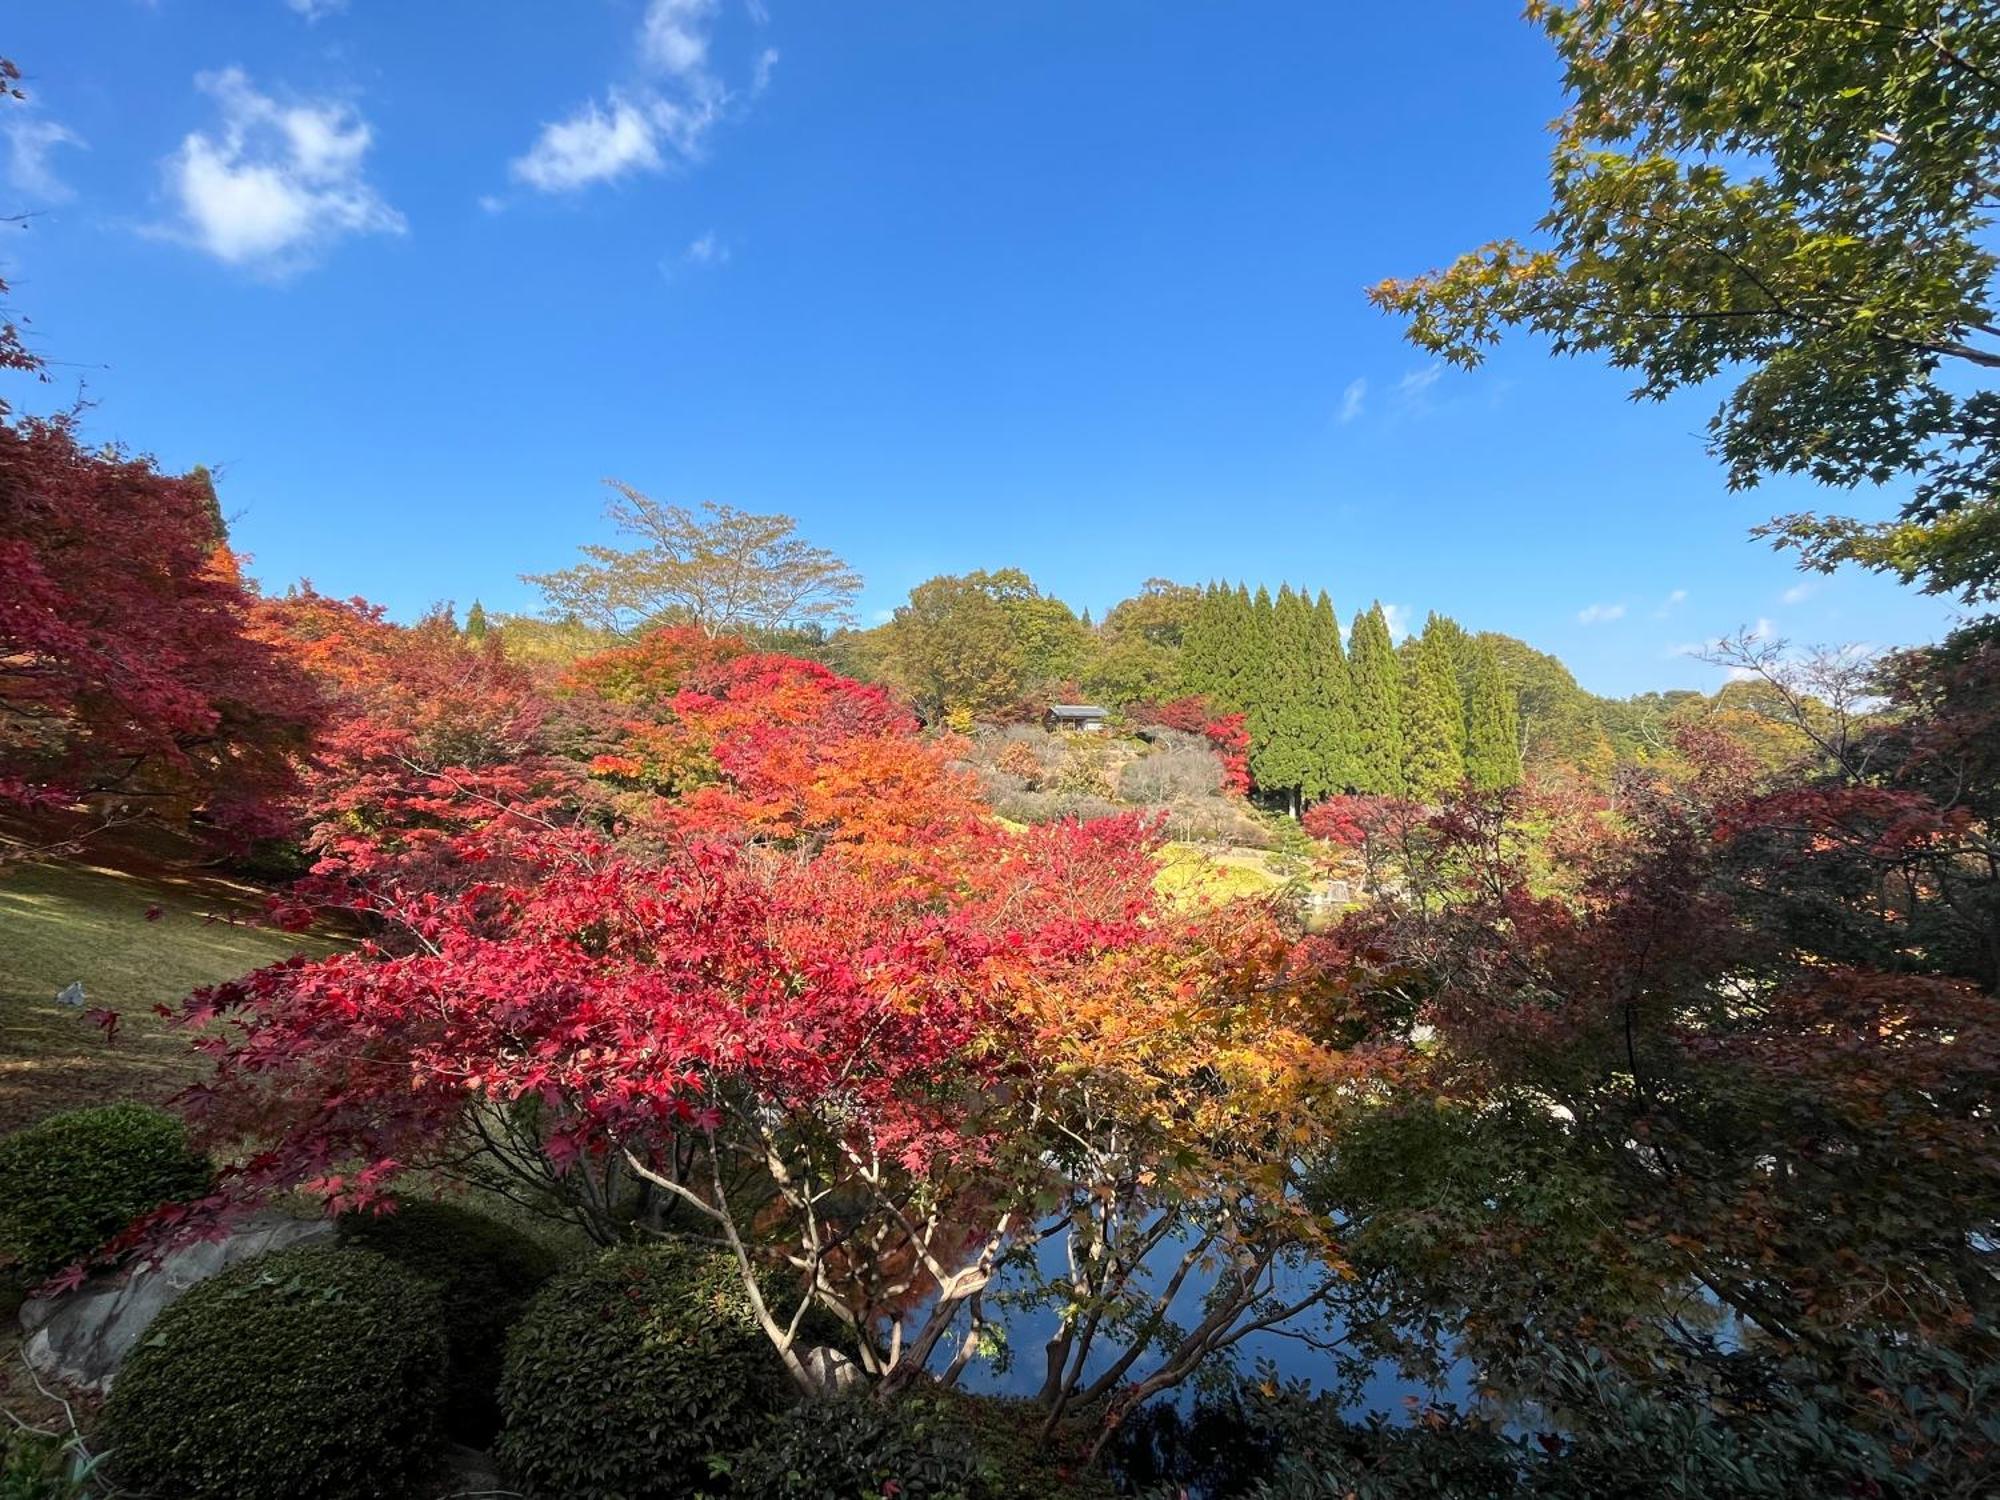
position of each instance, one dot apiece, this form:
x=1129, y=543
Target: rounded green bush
x=315, y=1373
x=484, y=1272
x=73, y=1181
x=857, y=1448
x=628, y=1371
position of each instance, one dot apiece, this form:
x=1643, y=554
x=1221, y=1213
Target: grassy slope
x=1189, y=872
x=80, y=921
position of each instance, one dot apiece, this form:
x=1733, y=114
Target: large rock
x=80, y=1338
x=834, y=1373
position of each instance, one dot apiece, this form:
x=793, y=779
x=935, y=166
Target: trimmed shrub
x=858, y=1448
x=1249, y=1443
x=1016, y=1461
x=484, y=1273
x=315, y=1373
x=73, y=1181
x=628, y=1371
x=933, y=1444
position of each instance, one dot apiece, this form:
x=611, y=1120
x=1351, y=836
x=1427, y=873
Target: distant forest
x=1326, y=710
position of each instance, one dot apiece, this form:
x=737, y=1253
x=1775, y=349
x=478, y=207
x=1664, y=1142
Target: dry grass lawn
x=78, y=920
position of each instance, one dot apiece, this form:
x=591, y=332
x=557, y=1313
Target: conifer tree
x=1376, y=697
x=1256, y=690
x=1492, y=723
x=1243, y=649
x=1201, y=648
x=1282, y=728
x=1447, y=635
x=210, y=501
x=1329, y=694
x=1433, y=720
x=475, y=622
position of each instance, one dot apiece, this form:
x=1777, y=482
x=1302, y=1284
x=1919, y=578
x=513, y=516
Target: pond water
x=1028, y=1328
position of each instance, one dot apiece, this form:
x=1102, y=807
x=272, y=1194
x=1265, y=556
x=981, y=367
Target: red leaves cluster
x=634, y=998
x=1349, y=821
x=437, y=750
x=1741, y=999
x=651, y=670
x=129, y=675
x=803, y=756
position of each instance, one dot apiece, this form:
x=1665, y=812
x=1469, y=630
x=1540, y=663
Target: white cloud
x=674, y=36
x=1673, y=601
x=314, y=10
x=1398, y=618
x=30, y=139
x=1351, y=399
x=1417, y=382
x=1763, y=630
x=276, y=184
x=666, y=115
x=703, y=254
x=760, y=75
x=590, y=146
x=1596, y=614
x=1797, y=593
x=709, y=250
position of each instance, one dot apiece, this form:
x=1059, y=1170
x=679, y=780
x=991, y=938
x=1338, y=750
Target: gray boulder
x=833, y=1372
x=80, y=1338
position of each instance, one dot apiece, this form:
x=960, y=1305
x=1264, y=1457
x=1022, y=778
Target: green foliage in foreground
x=1760, y=1431
x=484, y=1273
x=73, y=1181
x=628, y=1371
x=859, y=1449
x=1798, y=200
x=43, y=1466
x=315, y=1373
x=928, y=1445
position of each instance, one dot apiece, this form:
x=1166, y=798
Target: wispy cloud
x=1798, y=593
x=274, y=185
x=709, y=250
x=1672, y=602
x=673, y=36
x=1414, y=384
x=1398, y=618
x=1763, y=630
x=662, y=117
x=30, y=141
x=314, y=10
x=702, y=254
x=1598, y=614
x=1351, y=400
x=593, y=145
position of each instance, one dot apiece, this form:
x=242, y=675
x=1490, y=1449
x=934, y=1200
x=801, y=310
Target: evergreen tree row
x=1361, y=716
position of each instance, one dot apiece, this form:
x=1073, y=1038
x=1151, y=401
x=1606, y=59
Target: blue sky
x=1076, y=288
